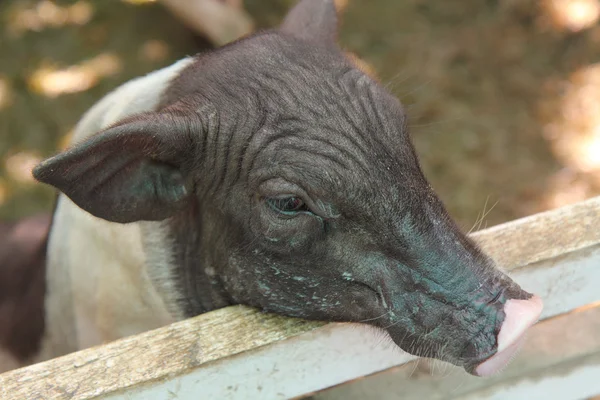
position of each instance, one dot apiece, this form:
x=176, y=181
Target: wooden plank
x=342, y=352
x=565, y=282
x=560, y=383
x=150, y=356
x=560, y=360
x=542, y=236
x=239, y=353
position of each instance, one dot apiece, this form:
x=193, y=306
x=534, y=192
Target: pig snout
x=446, y=299
x=519, y=316
x=481, y=337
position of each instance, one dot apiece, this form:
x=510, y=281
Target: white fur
x=98, y=281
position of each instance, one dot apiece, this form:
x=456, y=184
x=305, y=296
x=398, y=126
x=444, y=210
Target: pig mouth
x=519, y=316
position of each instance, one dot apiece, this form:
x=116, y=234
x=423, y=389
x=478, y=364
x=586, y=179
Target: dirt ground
x=502, y=95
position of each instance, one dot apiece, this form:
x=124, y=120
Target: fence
x=240, y=353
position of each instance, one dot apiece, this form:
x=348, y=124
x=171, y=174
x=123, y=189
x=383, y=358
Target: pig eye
x=287, y=205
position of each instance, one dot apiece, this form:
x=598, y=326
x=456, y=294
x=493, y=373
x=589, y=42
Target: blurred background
x=503, y=96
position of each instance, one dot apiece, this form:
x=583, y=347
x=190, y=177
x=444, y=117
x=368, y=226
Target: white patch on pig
x=99, y=285
x=133, y=97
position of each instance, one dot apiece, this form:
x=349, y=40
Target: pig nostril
x=496, y=297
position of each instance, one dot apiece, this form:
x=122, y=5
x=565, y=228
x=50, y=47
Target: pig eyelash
x=290, y=205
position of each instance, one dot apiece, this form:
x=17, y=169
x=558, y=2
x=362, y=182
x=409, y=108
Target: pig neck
x=184, y=270
x=99, y=275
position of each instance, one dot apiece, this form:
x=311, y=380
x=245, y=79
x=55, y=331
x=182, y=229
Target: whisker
x=483, y=213
x=416, y=363
x=396, y=323
x=458, y=386
x=487, y=213
x=416, y=88
x=481, y=217
x=373, y=319
x=395, y=82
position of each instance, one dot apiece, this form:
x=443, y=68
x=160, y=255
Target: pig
x=22, y=285
x=271, y=172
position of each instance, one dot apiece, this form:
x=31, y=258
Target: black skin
x=288, y=179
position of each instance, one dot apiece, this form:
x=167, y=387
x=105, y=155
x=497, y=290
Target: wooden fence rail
x=240, y=353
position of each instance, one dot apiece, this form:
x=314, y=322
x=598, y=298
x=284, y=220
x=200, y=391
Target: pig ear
x=130, y=172
x=312, y=20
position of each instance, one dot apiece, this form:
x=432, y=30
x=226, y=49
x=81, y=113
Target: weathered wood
x=150, y=356
x=542, y=236
x=338, y=353
x=241, y=353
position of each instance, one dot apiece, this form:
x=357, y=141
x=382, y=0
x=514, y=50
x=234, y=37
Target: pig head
x=274, y=173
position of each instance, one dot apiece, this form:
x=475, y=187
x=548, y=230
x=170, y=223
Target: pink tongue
x=520, y=315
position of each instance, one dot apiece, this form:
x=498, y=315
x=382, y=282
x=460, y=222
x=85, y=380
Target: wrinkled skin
x=288, y=180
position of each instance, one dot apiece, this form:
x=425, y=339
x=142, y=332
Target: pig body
x=22, y=286
x=274, y=173
x=95, y=266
